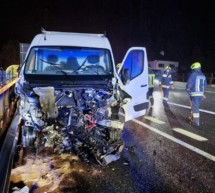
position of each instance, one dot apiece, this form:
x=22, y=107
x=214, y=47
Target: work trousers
x=150, y=96
x=195, y=104
x=165, y=95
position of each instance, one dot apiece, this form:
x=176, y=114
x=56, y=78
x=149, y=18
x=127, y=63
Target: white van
x=71, y=92
x=158, y=66
x=161, y=64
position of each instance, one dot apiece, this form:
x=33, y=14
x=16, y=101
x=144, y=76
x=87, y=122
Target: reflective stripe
x=165, y=86
x=196, y=93
x=151, y=80
x=164, y=98
x=171, y=82
x=197, y=85
x=150, y=97
x=200, y=82
x=164, y=75
x=195, y=115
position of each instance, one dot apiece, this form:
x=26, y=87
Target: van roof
x=51, y=38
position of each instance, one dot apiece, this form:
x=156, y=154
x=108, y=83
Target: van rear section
x=161, y=64
x=158, y=66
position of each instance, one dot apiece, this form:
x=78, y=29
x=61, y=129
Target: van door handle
x=143, y=85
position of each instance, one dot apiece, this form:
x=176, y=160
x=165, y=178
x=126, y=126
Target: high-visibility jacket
x=166, y=80
x=12, y=69
x=151, y=75
x=196, y=83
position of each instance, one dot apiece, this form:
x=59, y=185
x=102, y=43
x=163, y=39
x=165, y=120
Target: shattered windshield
x=70, y=60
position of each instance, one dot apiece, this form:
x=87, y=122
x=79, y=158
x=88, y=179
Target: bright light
x=156, y=82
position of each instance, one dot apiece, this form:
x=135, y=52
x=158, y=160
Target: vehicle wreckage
x=71, y=93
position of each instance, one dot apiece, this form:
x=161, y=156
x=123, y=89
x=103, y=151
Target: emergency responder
x=151, y=75
x=118, y=65
x=195, y=86
x=166, y=83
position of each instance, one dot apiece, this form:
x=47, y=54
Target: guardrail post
x=183, y=77
x=1, y=106
x=211, y=79
x=6, y=99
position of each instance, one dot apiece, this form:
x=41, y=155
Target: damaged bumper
x=71, y=120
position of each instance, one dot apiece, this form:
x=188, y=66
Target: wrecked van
x=71, y=95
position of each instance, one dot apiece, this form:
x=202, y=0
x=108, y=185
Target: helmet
x=167, y=68
x=195, y=65
x=118, y=65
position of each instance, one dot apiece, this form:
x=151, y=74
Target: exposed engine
x=82, y=121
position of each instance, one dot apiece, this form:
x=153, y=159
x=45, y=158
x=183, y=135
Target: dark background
x=184, y=30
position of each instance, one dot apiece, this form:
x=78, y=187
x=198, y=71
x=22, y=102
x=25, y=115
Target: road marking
x=154, y=120
x=202, y=110
x=192, y=148
x=190, y=134
x=210, y=91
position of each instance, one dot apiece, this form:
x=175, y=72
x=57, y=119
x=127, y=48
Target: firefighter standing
x=151, y=75
x=166, y=83
x=195, y=87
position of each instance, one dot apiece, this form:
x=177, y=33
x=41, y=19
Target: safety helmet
x=118, y=65
x=167, y=68
x=195, y=65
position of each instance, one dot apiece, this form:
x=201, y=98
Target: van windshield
x=52, y=60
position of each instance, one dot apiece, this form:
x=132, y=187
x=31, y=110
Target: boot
x=196, y=122
x=190, y=118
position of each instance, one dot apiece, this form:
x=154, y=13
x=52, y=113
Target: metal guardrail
x=5, y=96
x=8, y=152
x=8, y=129
x=210, y=78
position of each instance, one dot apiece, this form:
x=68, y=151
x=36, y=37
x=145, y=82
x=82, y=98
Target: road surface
x=163, y=154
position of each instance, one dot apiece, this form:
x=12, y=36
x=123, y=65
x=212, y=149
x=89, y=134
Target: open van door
x=133, y=73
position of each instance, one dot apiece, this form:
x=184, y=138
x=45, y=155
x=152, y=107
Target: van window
x=52, y=60
x=161, y=65
x=134, y=63
x=172, y=66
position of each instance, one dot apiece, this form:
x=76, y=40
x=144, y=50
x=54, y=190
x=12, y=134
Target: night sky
x=184, y=30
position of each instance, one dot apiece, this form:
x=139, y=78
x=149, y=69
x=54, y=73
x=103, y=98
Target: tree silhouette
x=9, y=54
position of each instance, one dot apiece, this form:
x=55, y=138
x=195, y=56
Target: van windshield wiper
x=95, y=69
x=58, y=68
x=80, y=66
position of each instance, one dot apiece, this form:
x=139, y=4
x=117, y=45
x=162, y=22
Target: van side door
x=134, y=76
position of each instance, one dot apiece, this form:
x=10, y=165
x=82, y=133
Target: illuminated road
x=173, y=156
x=162, y=154
x=174, y=119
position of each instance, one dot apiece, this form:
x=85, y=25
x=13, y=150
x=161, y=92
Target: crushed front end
x=69, y=101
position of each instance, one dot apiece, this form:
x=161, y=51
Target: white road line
x=192, y=148
x=210, y=91
x=190, y=134
x=154, y=120
x=201, y=110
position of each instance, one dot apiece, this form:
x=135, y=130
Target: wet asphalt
x=151, y=162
